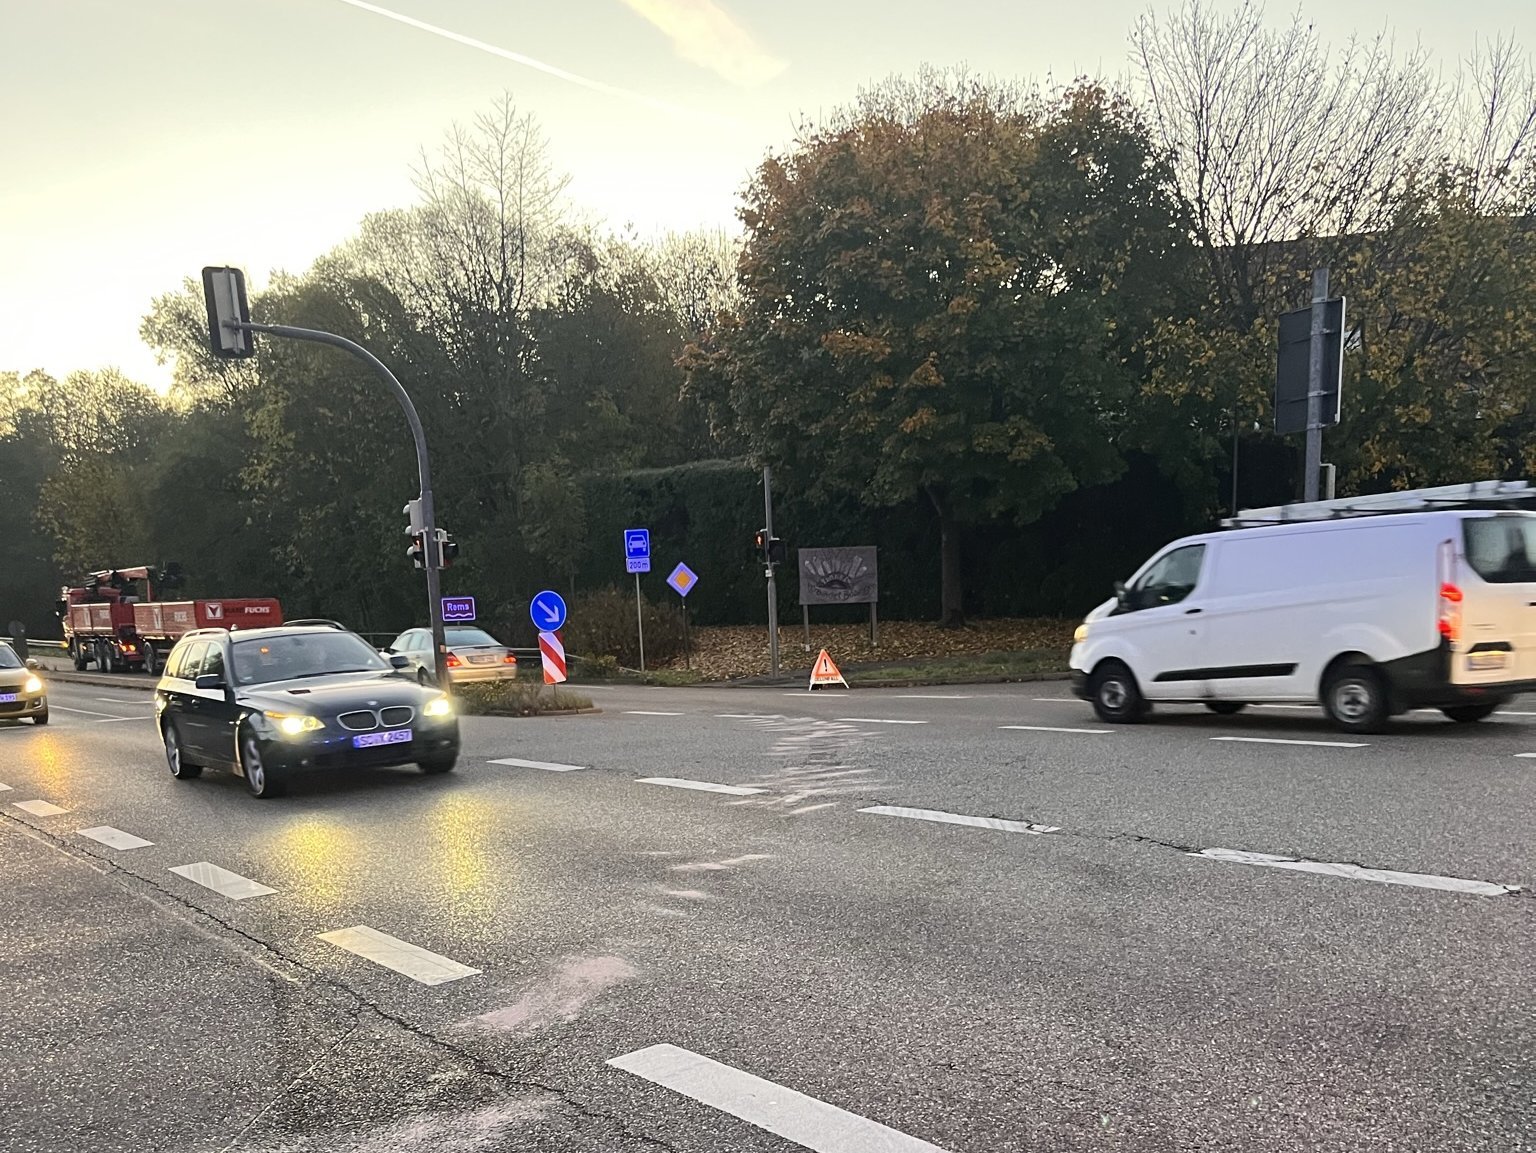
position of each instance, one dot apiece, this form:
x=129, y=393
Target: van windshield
x=1501, y=549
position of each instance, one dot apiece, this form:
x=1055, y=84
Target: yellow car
x=23, y=695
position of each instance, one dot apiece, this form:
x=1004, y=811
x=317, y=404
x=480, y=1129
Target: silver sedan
x=473, y=654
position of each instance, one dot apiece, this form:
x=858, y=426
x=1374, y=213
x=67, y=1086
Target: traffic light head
x=447, y=550
x=418, y=551
x=777, y=553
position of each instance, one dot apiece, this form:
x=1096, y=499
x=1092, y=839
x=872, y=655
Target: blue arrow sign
x=548, y=612
x=637, y=550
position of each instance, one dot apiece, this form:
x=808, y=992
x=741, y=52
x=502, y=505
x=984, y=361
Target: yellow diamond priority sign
x=683, y=579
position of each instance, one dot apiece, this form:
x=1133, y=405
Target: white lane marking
x=5, y=788
x=83, y=712
x=703, y=786
x=1525, y=754
x=114, y=838
x=39, y=808
x=413, y=961
x=115, y=720
x=1283, y=741
x=1359, y=873
x=1052, y=729
x=222, y=881
x=783, y=1112
x=875, y=721
x=1059, y=701
x=1513, y=713
x=548, y=766
x=995, y=823
x=644, y=713
x=933, y=697
x=744, y=716
x=117, y=701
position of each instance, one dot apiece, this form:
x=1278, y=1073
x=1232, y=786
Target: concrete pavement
x=1016, y=951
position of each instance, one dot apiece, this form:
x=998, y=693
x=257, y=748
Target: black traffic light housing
x=770, y=548
x=418, y=550
x=448, y=549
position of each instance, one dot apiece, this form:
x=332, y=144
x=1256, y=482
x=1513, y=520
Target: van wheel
x=1226, y=708
x=1355, y=699
x=1116, y=697
x=1471, y=714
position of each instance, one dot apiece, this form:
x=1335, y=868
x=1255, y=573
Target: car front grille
x=397, y=716
x=358, y=722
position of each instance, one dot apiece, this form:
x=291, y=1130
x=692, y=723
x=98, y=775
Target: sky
x=143, y=139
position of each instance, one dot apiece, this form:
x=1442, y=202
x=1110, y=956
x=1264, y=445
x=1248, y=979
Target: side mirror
x=1121, y=595
x=210, y=681
x=400, y=662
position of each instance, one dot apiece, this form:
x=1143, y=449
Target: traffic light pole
x=773, y=593
x=1314, y=450
x=432, y=548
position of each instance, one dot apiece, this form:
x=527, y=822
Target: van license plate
x=1494, y=660
x=392, y=737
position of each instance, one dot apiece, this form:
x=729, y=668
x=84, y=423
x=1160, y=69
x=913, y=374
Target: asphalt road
x=1046, y=938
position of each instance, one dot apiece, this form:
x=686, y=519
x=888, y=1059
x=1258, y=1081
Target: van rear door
x=1497, y=583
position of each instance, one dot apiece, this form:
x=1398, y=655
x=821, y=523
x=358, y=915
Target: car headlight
x=1081, y=634
x=438, y=707
x=292, y=724
x=33, y=685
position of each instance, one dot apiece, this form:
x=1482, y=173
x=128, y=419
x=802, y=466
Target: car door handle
x=1192, y=612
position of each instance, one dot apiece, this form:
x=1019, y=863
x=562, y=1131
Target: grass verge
x=517, y=699
x=969, y=669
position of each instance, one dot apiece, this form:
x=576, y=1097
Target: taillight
x=453, y=661
x=509, y=659
x=1448, y=616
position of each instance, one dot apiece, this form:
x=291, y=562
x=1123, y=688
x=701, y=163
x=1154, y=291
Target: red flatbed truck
x=109, y=624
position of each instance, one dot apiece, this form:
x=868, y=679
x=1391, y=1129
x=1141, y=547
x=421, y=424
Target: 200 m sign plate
x=392, y=737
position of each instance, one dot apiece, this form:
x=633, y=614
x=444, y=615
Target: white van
x=1370, y=606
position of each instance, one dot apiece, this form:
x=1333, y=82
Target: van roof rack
x=1477, y=494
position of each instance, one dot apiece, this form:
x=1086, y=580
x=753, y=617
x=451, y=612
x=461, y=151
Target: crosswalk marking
x=783, y=1112
x=702, y=786
x=998, y=824
x=421, y=965
x=547, y=766
x=222, y=881
x=115, y=838
x=39, y=808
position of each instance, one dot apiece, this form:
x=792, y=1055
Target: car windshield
x=470, y=637
x=292, y=656
x=9, y=659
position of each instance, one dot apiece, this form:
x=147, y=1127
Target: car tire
x=1226, y=708
x=180, y=767
x=40, y=718
x=1471, y=714
x=435, y=765
x=1355, y=699
x=260, y=781
x=1116, y=697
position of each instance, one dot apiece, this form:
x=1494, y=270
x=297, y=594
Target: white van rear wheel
x=1116, y=696
x=1355, y=699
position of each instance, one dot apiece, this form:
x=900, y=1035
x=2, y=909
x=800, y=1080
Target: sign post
x=548, y=613
x=773, y=592
x=637, y=559
x=683, y=580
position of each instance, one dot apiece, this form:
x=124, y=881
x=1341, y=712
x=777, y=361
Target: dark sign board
x=839, y=576
x=458, y=609
x=1291, y=378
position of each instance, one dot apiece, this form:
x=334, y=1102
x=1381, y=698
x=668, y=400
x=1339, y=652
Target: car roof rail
x=203, y=633
x=315, y=622
x=1482, y=494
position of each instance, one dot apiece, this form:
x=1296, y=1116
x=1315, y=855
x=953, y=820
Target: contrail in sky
x=530, y=62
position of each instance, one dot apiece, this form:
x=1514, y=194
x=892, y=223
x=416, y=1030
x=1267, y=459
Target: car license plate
x=1493, y=660
x=482, y=660
x=392, y=737
x=9, y=698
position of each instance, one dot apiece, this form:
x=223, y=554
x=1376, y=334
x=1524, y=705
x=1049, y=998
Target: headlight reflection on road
x=322, y=853
x=461, y=828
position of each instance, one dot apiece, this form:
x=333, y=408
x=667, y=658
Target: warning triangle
x=824, y=672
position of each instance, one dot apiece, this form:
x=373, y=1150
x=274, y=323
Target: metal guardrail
x=60, y=646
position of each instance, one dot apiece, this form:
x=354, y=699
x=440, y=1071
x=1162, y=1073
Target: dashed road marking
x=1527, y=755
x=1307, y=708
x=1284, y=741
x=644, y=713
x=1359, y=872
x=413, y=961
x=5, y=788
x=745, y=717
x=115, y=838
x=876, y=721
x=39, y=808
x=222, y=881
x=998, y=824
x=115, y=720
x=806, y=1121
x=84, y=712
x=1052, y=729
x=934, y=697
x=702, y=786
x=548, y=766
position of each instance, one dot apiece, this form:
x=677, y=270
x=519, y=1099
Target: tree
x=942, y=295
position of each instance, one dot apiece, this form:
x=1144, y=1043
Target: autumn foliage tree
x=942, y=295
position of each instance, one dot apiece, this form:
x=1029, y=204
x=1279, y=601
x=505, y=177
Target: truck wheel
x=1116, y=697
x=151, y=660
x=103, y=657
x=1471, y=714
x=1355, y=699
x=77, y=654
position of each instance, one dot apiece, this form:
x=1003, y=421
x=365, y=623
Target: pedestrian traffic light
x=447, y=549
x=776, y=551
x=760, y=543
x=418, y=550
x=770, y=549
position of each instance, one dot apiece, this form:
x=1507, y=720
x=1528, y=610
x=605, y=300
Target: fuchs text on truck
x=112, y=620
